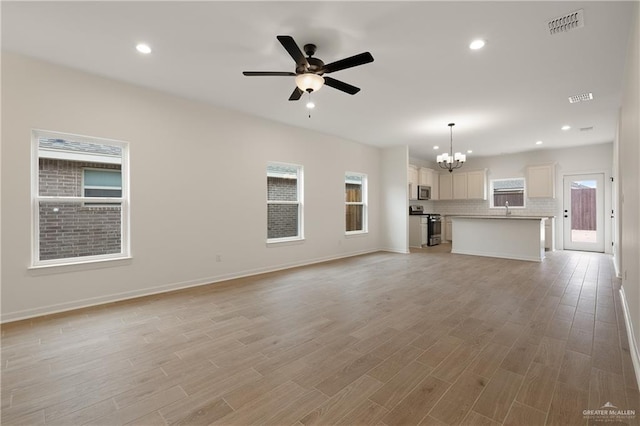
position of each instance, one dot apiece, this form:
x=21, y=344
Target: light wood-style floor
x=429, y=338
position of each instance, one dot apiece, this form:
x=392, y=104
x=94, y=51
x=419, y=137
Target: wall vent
x=567, y=22
x=580, y=98
x=586, y=129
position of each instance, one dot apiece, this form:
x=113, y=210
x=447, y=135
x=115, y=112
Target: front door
x=584, y=212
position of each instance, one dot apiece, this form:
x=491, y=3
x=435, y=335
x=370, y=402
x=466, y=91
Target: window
x=284, y=202
x=355, y=188
x=101, y=183
x=80, y=199
x=507, y=190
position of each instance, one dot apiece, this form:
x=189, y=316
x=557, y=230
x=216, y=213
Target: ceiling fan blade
x=290, y=45
x=297, y=94
x=353, y=61
x=268, y=73
x=341, y=85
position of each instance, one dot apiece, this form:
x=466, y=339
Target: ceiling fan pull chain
x=310, y=104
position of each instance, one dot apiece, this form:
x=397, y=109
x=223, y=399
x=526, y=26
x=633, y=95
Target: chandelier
x=451, y=161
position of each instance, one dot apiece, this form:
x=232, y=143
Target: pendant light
x=450, y=161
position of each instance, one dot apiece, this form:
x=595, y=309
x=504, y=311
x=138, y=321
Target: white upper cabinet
x=435, y=188
x=424, y=176
x=541, y=181
x=446, y=186
x=413, y=178
x=464, y=186
x=460, y=186
x=477, y=185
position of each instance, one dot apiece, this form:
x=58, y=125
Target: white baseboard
x=393, y=250
x=633, y=345
x=101, y=300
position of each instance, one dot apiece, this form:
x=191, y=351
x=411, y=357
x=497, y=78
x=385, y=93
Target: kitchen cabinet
x=541, y=181
x=424, y=176
x=477, y=185
x=430, y=178
x=435, y=185
x=413, y=179
x=550, y=234
x=417, y=235
x=448, y=229
x=445, y=183
x=464, y=186
x=460, y=186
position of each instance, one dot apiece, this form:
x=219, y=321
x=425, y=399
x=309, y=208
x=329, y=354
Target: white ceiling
x=502, y=98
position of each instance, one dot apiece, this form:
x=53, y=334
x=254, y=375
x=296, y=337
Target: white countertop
x=501, y=217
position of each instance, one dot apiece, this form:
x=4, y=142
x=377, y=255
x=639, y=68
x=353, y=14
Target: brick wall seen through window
x=283, y=201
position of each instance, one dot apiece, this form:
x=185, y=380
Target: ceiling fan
x=310, y=71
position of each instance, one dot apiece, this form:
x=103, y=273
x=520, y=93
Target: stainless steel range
x=430, y=226
x=434, y=229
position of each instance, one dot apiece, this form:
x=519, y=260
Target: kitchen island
x=509, y=237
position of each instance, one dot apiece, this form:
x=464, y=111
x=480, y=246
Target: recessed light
x=469, y=151
x=539, y=143
x=566, y=127
x=436, y=147
x=476, y=44
x=143, y=48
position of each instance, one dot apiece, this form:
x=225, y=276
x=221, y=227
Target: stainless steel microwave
x=424, y=192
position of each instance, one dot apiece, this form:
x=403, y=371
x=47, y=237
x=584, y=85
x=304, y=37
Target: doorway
x=584, y=212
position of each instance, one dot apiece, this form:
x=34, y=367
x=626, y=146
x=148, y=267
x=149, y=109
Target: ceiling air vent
x=586, y=129
x=567, y=22
x=580, y=98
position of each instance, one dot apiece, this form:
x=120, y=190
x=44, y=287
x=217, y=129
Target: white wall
x=395, y=199
x=577, y=160
x=629, y=189
x=198, y=188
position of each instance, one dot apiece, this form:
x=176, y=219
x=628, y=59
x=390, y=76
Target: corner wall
x=198, y=189
x=394, y=205
x=629, y=190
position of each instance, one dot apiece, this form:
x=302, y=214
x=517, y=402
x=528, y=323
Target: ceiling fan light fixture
x=309, y=82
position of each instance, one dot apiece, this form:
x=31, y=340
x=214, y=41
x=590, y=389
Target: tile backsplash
x=534, y=207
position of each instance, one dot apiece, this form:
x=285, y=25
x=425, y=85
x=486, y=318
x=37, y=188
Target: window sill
x=355, y=234
x=284, y=242
x=79, y=265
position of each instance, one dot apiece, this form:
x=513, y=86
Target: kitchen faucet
x=506, y=206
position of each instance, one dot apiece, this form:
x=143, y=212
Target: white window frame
x=524, y=194
x=364, y=203
x=299, y=202
x=36, y=198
